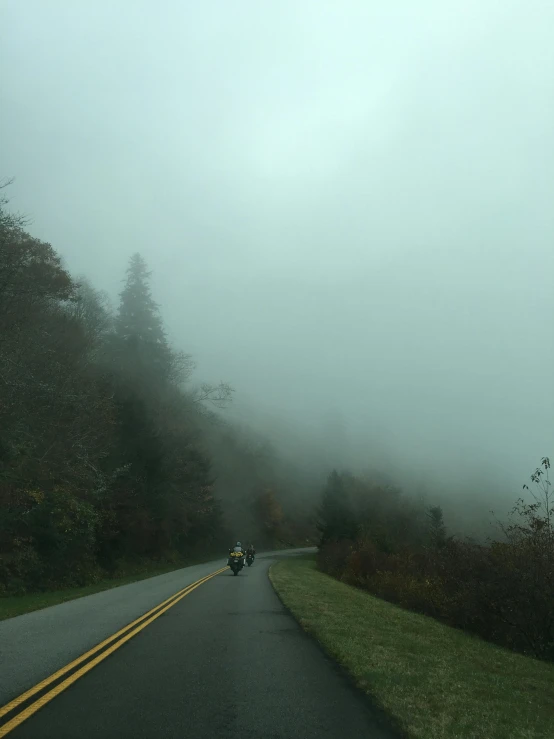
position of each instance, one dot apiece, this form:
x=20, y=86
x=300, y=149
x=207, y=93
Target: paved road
x=33, y=646
x=226, y=661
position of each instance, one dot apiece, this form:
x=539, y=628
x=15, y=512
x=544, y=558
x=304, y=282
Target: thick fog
x=347, y=207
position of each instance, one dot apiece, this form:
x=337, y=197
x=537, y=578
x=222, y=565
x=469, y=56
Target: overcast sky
x=348, y=206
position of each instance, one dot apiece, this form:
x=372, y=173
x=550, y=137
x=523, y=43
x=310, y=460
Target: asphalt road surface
x=227, y=660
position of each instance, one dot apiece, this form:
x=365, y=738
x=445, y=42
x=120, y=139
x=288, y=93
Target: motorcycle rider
x=237, y=548
x=251, y=551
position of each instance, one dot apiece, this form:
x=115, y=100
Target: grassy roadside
x=435, y=681
x=16, y=605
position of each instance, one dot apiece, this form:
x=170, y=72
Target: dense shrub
x=334, y=557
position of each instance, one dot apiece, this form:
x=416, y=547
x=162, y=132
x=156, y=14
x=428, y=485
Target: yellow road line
x=47, y=681
x=30, y=710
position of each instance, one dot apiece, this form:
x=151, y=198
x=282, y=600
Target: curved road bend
x=225, y=661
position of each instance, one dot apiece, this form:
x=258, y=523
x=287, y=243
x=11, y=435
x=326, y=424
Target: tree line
x=108, y=458
x=397, y=548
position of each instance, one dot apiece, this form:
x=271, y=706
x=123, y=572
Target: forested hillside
x=108, y=456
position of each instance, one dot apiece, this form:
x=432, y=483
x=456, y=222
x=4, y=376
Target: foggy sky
x=347, y=205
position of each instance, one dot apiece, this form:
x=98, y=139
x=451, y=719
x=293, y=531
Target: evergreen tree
x=336, y=518
x=437, y=529
x=139, y=329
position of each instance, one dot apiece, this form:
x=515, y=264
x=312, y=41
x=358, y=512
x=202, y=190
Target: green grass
x=16, y=605
x=434, y=681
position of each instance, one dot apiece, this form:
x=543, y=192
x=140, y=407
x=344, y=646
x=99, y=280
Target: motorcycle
x=236, y=562
x=249, y=559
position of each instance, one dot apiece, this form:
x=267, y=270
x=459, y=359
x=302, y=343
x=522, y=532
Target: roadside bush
x=20, y=571
x=63, y=530
x=49, y=541
x=334, y=557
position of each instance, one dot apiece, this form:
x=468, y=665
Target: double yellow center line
x=119, y=638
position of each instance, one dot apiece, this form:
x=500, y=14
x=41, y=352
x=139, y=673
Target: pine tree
x=336, y=518
x=437, y=529
x=139, y=327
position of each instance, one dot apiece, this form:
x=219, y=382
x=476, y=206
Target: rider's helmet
x=239, y=544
